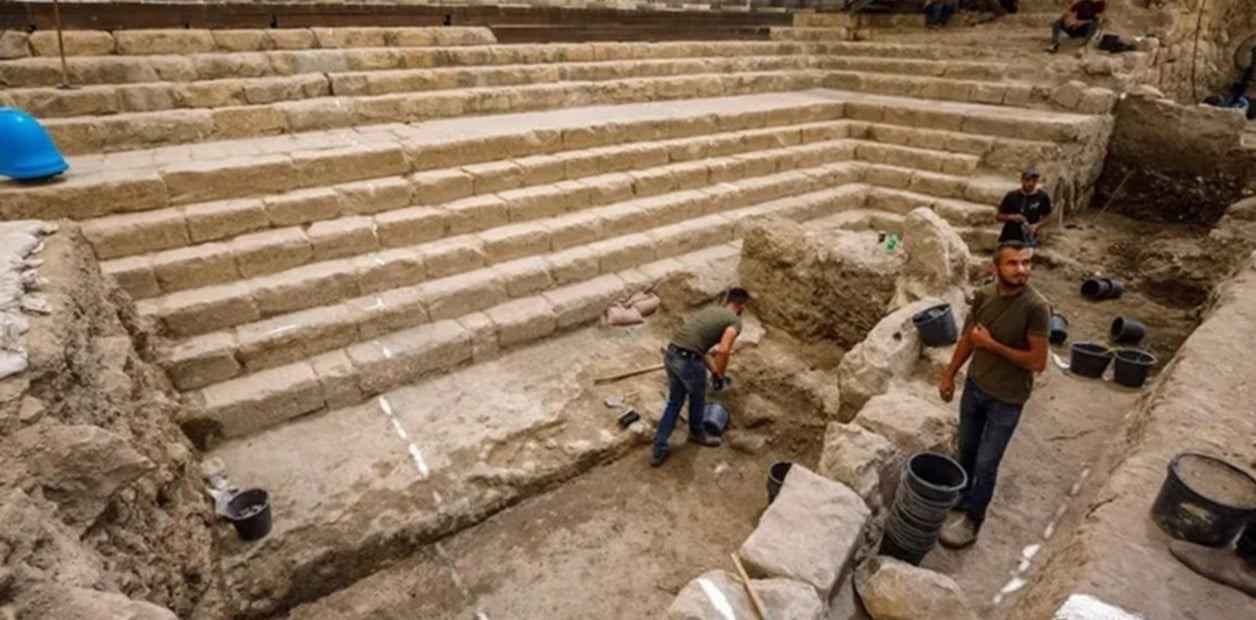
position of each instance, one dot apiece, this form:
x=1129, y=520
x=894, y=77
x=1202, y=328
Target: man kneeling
x=1080, y=21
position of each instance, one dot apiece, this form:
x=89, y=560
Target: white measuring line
x=415, y=454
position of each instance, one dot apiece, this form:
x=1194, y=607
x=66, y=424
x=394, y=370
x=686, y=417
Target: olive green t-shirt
x=1011, y=321
x=705, y=327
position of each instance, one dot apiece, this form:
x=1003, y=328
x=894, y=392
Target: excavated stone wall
x=101, y=508
x=1198, y=40
x=1184, y=163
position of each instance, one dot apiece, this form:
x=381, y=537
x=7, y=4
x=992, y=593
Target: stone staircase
x=309, y=226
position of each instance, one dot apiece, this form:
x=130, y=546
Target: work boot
x=958, y=532
x=657, y=458
x=1222, y=565
x=705, y=439
x=1053, y=48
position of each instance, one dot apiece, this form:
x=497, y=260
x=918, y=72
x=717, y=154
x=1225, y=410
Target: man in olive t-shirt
x=1006, y=337
x=687, y=359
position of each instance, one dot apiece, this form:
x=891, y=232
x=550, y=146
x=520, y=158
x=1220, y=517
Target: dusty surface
x=99, y=490
x=1118, y=554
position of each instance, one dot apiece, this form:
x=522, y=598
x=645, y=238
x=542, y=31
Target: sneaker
x=958, y=532
x=1223, y=565
x=705, y=439
x=657, y=458
x=1053, y=48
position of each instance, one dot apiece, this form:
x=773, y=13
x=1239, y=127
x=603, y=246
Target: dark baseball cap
x=1031, y=173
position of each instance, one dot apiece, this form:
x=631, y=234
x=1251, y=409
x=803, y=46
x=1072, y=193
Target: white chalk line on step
x=415, y=454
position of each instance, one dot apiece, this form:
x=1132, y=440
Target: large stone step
x=313, y=225
x=142, y=42
x=476, y=309
x=187, y=175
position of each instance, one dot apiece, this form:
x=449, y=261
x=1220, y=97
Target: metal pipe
x=65, y=69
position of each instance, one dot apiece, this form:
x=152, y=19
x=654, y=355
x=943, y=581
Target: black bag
x=1113, y=44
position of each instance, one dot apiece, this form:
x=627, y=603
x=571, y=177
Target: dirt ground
x=621, y=539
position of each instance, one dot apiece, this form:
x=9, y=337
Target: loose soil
x=622, y=539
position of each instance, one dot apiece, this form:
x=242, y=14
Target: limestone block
x=623, y=252
x=414, y=225
x=863, y=460
x=474, y=214
x=514, y=241
x=573, y=265
x=194, y=267
x=135, y=276
x=219, y=179
x=889, y=352
x=77, y=42
x=302, y=206
x=401, y=357
x=574, y=229
x=713, y=595
x=245, y=40
x=450, y=298
x=1097, y=101
x=200, y=311
x=585, y=301
x=347, y=236
x=526, y=276
x=54, y=600
x=895, y=590
x=203, y=360
x=292, y=337
x=605, y=189
x=384, y=270
x=375, y=195
x=271, y=90
x=230, y=69
x=388, y=311
x=291, y=39
x=136, y=233
x=809, y=533
x=937, y=258
x=14, y=44
x=246, y=121
x=911, y=423
x=350, y=163
x=150, y=42
x=304, y=287
x=253, y=402
x=530, y=203
x=523, y=320
x=439, y=186
x=272, y=251
x=338, y=378
x=494, y=176
x=1069, y=95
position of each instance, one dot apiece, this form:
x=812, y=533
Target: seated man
x=1080, y=21
x=1024, y=211
x=939, y=12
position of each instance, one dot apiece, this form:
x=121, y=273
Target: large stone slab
x=911, y=423
x=809, y=533
x=895, y=590
x=937, y=258
x=719, y=595
x=890, y=351
x=863, y=460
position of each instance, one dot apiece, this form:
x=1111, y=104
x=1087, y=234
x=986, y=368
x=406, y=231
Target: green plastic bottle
x=891, y=243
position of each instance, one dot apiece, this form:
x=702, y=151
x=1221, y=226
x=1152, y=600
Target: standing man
x=687, y=359
x=1079, y=21
x=1006, y=336
x=1024, y=211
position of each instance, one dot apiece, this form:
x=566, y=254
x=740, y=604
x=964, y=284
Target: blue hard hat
x=26, y=151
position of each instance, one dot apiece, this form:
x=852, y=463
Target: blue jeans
x=938, y=13
x=1083, y=31
x=986, y=425
x=686, y=377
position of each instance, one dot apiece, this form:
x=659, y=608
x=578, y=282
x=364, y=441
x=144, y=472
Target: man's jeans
x=986, y=425
x=686, y=376
x=939, y=13
x=1081, y=31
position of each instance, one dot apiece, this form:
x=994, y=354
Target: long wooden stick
x=625, y=375
x=745, y=582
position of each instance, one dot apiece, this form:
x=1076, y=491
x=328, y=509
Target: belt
x=683, y=352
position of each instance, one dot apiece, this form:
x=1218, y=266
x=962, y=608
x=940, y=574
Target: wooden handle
x=745, y=582
x=625, y=375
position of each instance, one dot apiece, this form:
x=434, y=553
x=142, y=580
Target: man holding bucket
x=688, y=357
x=1006, y=337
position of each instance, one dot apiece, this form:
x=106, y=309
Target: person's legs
x=1001, y=420
x=676, y=392
x=695, y=379
x=1232, y=567
x=1057, y=29
x=948, y=11
x=972, y=423
x=1086, y=31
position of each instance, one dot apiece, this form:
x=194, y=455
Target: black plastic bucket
x=776, y=478
x=1132, y=367
x=1204, y=499
x=1059, y=328
x=936, y=326
x=930, y=487
x=1089, y=359
x=249, y=512
x=1102, y=288
x=1127, y=331
x=715, y=419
